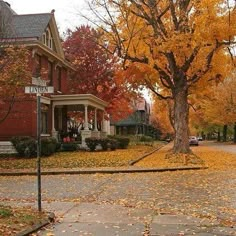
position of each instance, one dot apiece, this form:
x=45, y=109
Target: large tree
x=96, y=71
x=170, y=46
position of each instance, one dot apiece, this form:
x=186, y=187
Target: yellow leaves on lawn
x=79, y=159
x=212, y=158
x=17, y=219
x=120, y=157
x=216, y=159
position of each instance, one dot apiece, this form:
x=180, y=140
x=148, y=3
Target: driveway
x=199, y=202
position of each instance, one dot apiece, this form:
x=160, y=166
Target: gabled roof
x=30, y=26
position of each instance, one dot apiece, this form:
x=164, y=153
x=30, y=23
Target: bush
x=122, y=142
x=104, y=143
x=92, y=143
x=48, y=146
x=15, y=140
x=25, y=146
x=113, y=144
x=69, y=147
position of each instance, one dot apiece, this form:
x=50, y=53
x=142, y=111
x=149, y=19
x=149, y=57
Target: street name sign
x=39, y=89
x=38, y=81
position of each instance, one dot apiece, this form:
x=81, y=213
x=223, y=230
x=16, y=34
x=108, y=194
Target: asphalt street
x=191, y=202
x=131, y=204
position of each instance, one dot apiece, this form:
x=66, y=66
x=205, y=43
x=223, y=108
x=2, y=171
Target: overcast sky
x=66, y=11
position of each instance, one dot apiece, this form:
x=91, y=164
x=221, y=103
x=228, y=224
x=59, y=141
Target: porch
x=89, y=109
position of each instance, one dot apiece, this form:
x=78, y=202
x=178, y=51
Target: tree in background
x=219, y=107
x=162, y=116
x=14, y=67
x=14, y=75
x=170, y=46
x=97, y=71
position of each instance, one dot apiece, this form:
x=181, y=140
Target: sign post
x=39, y=88
x=39, y=151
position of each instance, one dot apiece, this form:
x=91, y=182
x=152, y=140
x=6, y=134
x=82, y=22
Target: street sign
x=39, y=89
x=38, y=81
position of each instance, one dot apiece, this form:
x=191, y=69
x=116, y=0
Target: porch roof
x=79, y=99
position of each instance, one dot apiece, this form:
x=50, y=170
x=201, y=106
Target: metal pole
x=39, y=151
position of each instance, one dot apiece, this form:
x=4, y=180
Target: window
x=50, y=72
x=37, y=66
x=59, y=78
x=47, y=38
x=44, y=119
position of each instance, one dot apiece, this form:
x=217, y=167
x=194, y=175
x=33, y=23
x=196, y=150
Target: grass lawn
x=213, y=159
x=15, y=220
x=79, y=159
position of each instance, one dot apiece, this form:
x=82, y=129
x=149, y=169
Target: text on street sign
x=37, y=89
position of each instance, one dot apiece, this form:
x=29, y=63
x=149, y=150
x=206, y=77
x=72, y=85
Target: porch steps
x=6, y=147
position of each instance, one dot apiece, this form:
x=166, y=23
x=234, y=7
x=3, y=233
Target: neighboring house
x=47, y=61
x=138, y=123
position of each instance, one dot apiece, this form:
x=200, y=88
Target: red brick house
x=40, y=34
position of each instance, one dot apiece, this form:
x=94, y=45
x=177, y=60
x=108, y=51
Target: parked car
x=193, y=140
x=200, y=138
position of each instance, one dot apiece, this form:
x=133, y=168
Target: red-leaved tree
x=96, y=71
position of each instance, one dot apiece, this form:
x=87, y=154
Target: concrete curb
x=103, y=171
x=38, y=226
x=34, y=228
x=145, y=155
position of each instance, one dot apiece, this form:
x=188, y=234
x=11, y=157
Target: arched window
x=47, y=38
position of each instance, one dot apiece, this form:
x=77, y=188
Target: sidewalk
x=113, y=220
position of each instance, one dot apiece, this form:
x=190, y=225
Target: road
x=201, y=202
x=130, y=204
x=227, y=147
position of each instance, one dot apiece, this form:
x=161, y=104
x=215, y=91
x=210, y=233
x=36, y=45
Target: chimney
x=8, y=4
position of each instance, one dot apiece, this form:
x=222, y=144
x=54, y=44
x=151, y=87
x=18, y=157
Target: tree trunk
x=225, y=128
x=235, y=132
x=181, y=112
x=218, y=136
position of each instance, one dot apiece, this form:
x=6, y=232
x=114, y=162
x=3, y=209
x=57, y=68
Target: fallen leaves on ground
x=214, y=159
x=78, y=159
x=15, y=220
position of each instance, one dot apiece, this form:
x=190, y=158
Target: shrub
x=25, y=146
x=15, y=140
x=92, y=143
x=113, y=144
x=69, y=147
x=145, y=138
x=122, y=142
x=48, y=146
x=104, y=143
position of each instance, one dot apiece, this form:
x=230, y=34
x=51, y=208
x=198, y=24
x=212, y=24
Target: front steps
x=6, y=147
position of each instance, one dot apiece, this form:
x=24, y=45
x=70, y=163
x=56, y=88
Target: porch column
x=103, y=132
x=54, y=132
x=53, y=118
x=103, y=122
x=108, y=125
x=86, y=117
x=95, y=120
